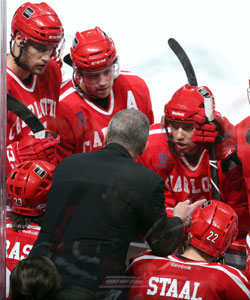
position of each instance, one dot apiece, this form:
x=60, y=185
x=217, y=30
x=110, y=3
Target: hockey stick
x=208, y=102
x=22, y=111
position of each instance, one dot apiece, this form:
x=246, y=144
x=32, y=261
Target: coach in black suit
x=102, y=200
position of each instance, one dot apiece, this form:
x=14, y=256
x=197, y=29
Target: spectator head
x=34, y=278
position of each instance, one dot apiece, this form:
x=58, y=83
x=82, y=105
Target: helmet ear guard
x=213, y=227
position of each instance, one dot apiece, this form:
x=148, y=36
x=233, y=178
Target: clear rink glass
x=3, y=125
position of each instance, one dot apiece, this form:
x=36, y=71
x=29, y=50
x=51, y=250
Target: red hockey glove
x=222, y=133
x=31, y=148
x=204, y=132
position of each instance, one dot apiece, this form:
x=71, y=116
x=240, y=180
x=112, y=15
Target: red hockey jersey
x=41, y=97
x=243, y=151
x=184, y=180
x=81, y=124
x=18, y=246
x=172, y=277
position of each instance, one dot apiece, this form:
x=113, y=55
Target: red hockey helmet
x=185, y=103
x=92, y=50
x=28, y=185
x=37, y=22
x=213, y=227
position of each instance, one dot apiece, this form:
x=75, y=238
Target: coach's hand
x=184, y=210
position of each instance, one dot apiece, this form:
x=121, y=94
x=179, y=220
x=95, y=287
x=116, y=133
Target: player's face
x=35, y=57
x=97, y=84
x=182, y=137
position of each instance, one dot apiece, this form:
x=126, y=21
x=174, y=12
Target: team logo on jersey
x=83, y=120
x=163, y=161
x=163, y=158
x=28, y=12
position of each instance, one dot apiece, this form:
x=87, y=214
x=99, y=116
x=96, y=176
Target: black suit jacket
x=97, y=204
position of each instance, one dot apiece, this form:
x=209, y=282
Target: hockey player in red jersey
x=97, y=91
x=243, y=147
x=194, y=275
x=177, y=150
x=27, y=188
x=34, y=79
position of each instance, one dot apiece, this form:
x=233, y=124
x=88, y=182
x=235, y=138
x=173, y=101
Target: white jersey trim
x=67, y=92
x=21, y=83
x=193, y=168
x=64, y=83
x=108, y=113
x=36, y=227
x=111, y=108
x=157, y=131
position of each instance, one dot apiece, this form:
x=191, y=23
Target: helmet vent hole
x=44, y=184
x=13, y=175
x=18, y=191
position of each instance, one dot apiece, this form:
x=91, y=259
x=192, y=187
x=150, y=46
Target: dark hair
x=34, y=278
x=21, y=222
x=75, y=293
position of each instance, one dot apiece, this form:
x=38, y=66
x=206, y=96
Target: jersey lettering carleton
x=43, y=108
x=173, y=288
x=40, y=95
x=97, y=141
x=181, y=184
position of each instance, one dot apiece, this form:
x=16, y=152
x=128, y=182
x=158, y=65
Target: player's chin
x=39, y=70
x=104, y=93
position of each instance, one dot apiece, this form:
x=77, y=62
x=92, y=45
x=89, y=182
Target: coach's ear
x=144, y=149
x=106, y=137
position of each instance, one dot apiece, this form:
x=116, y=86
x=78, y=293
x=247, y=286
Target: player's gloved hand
x=31, y=148
x=221, y=132
x=204, y=132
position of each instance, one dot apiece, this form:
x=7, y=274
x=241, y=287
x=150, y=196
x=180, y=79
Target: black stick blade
x=184, y=60
x=22, y=111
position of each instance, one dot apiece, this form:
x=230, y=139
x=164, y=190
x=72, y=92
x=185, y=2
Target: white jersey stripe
x=21, y=83
x=66, y=93
x=36, y=227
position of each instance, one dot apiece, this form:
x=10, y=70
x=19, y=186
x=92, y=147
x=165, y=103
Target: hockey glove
x=221, y=132
x=31, y=148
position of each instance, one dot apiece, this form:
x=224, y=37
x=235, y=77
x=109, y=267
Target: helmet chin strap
x=16, y=58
